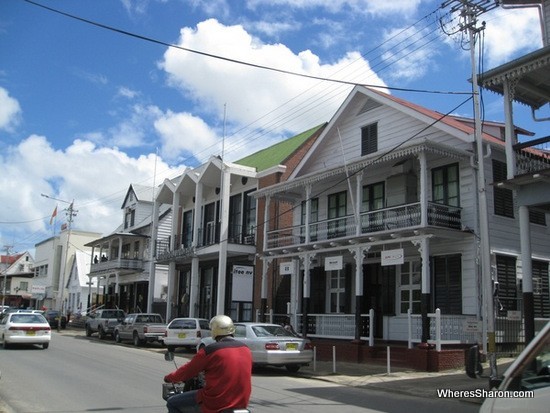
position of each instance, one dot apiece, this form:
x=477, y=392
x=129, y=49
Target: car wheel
x=136, y=339
x=292, y=368
x=88, y=331
x=101, y=333
x=5, y=343
x=117, y=336
x=45, y=345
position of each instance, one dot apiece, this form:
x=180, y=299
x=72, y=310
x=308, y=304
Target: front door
x=379, y=293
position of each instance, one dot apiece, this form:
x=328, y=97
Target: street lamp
x=71, y=212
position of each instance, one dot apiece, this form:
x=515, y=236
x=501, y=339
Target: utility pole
x=469, y=11
x=7, y=248
x=70, y=212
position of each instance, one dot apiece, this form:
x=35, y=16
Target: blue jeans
x=183, y=403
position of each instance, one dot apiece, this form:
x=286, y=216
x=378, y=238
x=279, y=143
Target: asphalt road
x=79, y=374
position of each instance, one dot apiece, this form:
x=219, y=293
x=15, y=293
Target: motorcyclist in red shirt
x=227, y=366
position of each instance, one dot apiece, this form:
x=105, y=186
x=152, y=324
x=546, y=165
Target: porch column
x=359, y=281
x=224, y=225
x=306, y=291
x=194, y=288
x=152, y=255
x=508, y=88
x=172, y=300
x=527, y=272
x=120, y=241
x=195, y=263
x=423, y=189
x=358, y=200
x=424, y=249
x=308, y=214
x=265, y=262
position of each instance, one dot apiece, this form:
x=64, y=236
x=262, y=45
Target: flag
x=54, y=214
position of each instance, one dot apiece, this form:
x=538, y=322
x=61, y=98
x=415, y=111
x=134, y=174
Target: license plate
x=182, y=335
x=292, y=346
x=31, y=333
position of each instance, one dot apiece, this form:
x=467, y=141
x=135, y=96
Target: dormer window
x=129, y=218
x=369, y=139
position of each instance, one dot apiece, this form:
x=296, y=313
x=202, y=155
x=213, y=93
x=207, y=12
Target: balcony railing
x=528, y=162
x=387, y=219
x=182, y=246
x=118, y=264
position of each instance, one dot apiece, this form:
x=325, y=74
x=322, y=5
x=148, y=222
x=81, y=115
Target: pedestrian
x=288, y=327
x=227, y=367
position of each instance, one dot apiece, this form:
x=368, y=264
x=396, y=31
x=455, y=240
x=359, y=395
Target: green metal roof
x=276, y=154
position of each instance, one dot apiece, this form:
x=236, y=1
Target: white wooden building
x=385, y=218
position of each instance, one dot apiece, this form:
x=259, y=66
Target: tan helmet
x=221, y=325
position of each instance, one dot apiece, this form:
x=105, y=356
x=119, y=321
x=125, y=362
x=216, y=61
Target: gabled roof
x=278, y=153
x=143, y=193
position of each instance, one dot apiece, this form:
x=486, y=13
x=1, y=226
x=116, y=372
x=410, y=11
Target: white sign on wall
x=243, y=282
x=393, y=257
x=285, y=268
x=334, y=263
x=38, y=289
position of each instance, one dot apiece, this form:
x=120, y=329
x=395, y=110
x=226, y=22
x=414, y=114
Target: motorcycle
x=171, y=389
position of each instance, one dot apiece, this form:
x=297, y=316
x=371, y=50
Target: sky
x=98, y=95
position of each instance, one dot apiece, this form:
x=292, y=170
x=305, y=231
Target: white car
x=185, y=332
x=25, y=328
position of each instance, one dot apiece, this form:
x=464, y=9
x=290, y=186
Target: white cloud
x=376, y=7
x=126, y=92
x=259, y=98
x=510, y=33
x=10, y=111
x=183, y=133
x=34, y=167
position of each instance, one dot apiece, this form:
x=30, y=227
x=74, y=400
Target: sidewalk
x=399, y=380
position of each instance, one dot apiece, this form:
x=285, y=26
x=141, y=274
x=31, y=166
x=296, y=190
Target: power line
x=228, y=59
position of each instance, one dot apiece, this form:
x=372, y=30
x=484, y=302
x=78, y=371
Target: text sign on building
x=38, y=289
x=285, y=268
x=471, y=326
x=393, y=257
x=334, y=263
x=243, y=281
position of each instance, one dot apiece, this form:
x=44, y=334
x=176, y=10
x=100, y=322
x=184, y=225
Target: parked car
x=185, y=332
x=140, y=328
x=25, y=328
x=272, y=345
x=53, y=318
x=103, y=322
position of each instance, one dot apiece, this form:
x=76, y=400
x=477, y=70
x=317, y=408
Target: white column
x=152, y=255
x=509, y=133
x=224, y=225
x=423, y=189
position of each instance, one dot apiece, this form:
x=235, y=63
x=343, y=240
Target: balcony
x=533, y=157
x=123, y=265
x=372, y=222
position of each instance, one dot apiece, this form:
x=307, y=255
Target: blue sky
x=85, y=111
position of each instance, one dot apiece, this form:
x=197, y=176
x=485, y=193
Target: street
x=79, y=374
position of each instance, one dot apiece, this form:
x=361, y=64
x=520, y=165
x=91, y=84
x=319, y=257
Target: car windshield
x=270, y=331
x=27, y=318
x=149, y=318
x=113, y=314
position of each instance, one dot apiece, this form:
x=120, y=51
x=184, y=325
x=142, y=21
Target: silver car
x=272, y=345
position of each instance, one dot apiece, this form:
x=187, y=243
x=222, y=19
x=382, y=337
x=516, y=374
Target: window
x=187, y=233
x=337, y=207
x=369, y=139
x=313, y=217
x=235, y=218
x=447, y=283
x=507, y=283
x=337, y=291
x=537, y=217
x=445, y=185
x=503, y=198
x=541, y=293
x=249, y=214
x=409, y=287
x=129, y=218
x=373, y=199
